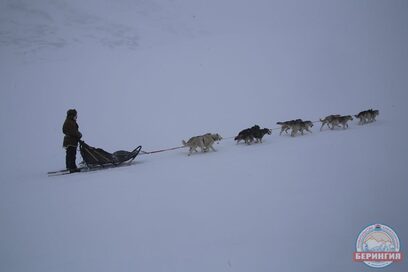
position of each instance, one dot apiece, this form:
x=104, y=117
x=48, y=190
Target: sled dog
x=367, y=116
x=296, y=126
x=259, y=134
x=204, y=142
x=247, y=135
x=301, y=126
x=285, y=126
x=327, y=120
x=340, y=120
x=250, y=134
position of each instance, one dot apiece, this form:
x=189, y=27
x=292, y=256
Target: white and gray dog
x=204, y=142
x=328, y=120
x=367, y=116
x=296, y=126
x=336, y=120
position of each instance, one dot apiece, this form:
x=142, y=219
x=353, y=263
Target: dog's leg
x=248, y=140
x=202, y=146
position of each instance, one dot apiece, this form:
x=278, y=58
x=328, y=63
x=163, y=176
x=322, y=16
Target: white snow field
x=155, y=72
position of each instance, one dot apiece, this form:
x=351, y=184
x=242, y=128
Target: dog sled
x=97, y=157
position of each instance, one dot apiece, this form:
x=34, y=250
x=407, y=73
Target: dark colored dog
x=258, y=134
x=248, y=135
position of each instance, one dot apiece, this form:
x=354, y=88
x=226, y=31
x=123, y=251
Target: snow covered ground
x=156, y=72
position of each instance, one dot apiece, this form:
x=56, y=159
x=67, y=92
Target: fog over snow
x=155, y=72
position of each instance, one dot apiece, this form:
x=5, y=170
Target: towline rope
x=161, y=150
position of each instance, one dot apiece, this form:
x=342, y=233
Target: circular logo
x=378, y=246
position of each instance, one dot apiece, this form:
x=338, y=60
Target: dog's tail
x=184, y=143
x=279, y=123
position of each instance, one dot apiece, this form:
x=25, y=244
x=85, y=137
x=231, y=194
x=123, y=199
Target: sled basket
x=98, y=157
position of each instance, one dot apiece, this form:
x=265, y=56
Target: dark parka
x=71, y=130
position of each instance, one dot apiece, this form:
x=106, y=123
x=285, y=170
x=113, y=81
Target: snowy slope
x=156, y=72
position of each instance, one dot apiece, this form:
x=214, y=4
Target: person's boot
x=74, y=170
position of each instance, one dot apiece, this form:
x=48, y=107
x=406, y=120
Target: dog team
x=205, y=142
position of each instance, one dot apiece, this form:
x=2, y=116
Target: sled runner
x=94, y=157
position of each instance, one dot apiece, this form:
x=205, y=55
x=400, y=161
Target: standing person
x=71, y=139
